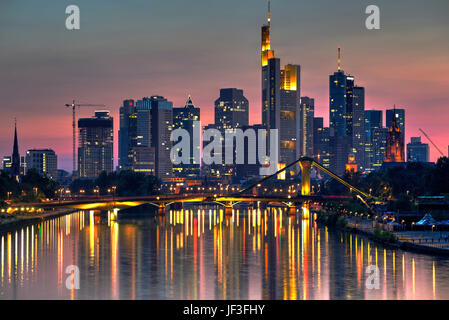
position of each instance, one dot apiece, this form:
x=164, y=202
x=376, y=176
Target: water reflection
x=200, y=253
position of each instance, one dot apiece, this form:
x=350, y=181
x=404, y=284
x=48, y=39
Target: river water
x=199, y=253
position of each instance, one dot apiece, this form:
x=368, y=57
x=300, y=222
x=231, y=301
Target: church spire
x=15, y=166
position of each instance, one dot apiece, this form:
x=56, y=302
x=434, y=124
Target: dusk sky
x=137, y=48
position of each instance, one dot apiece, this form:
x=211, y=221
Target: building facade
x=95, y=145
x=127, y=135
x=188, y=118
x=417, y=151
x=44, y=161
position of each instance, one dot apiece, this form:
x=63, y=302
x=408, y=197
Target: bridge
x=247, y=195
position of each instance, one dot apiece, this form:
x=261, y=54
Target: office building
x=373, y=120
x=44, y=161
x=127, y=135
x=188, y=118
x=161, y=127
x=306, y=126
x=231, y=109
x=95, y=148
x=417, y=151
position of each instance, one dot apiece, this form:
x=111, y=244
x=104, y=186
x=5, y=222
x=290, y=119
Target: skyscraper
x=95, y=148
x=127, y=135
x=280, y=100
x=417, y=151
x=373, y=120
x=231, y=109
x=358, y=127
x=290, y=115
x=307, y=113
x=187, y=118
x=394, y=148
x=321, y=142
x=44, y=161
x=341, y=88
x=346, y=117
x=161, y=111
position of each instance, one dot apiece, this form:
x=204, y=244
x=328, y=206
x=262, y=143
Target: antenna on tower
x=339, y=58
x=269, y=12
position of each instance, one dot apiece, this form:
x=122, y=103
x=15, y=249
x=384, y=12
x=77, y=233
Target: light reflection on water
x=200, y=253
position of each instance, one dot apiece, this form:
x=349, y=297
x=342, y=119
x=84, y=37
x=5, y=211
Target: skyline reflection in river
x=199, y=253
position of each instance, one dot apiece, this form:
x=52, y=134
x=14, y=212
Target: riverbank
x=17, y=221
x=419, y=242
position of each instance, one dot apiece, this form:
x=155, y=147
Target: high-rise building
x=417, y=151
x=373, y=120
x=399, y=115
x=358, y=127
x=321, y=142
x=306, y=126
x=341, y=115
x=339, y=85
x=290, y=116
x=44, y=161
x=187, y=118
x=95, y=146
x=161, y=111
x=127, y=135
x=231, y=109
x=280, y=100
x=394, y=148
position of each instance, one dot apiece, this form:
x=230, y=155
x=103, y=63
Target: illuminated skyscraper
x=358, y=127
x=374, y=143
x=290, y=115
x=281, y=100
x=95, y=148
x=307, y=113
x=346, y=105
x=188, y=118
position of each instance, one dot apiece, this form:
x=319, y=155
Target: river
x=199, y=253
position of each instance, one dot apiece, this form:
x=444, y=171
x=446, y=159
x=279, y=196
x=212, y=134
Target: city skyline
x=391, y=76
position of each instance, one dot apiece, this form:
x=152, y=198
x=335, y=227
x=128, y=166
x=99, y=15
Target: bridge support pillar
x=228, y=208
x=161, y=209
x=306, y=167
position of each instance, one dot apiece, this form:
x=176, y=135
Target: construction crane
x=428, y=138
x=74, y=105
